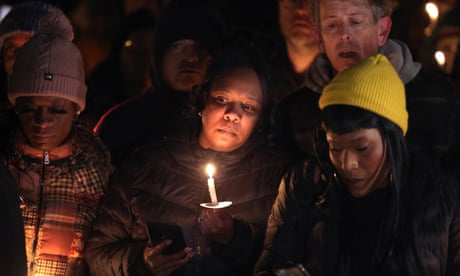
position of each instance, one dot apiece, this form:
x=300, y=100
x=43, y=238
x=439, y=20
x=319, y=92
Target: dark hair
x=342, y=119
x=227, y=61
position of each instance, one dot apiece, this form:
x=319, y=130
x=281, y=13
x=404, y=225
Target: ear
x=384, y=28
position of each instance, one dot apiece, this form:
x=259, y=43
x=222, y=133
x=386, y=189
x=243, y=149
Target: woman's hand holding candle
x=217, y=225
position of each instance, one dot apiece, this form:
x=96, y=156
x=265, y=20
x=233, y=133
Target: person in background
x=445, y=39
x=352, y=31
x=165, y=182
x=12, y=251
x=366, y=205
x=186, y=35
x=299, y=44
x=61, y=169
x=126, y=72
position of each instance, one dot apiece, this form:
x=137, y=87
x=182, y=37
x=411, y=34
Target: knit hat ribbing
x=49, y=64
x=373, y=85
x=23, y=18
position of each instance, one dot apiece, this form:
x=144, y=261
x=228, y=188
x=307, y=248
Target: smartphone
x=291, y=270
x=158, y=232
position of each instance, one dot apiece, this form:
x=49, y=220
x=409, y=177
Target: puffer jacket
x=430, y=101
x=305, y=225
x=166, y=183
x=59, y=190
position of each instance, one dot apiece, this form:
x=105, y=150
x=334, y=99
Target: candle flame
x=440, y=58
x=210, y=170
x=432, y=10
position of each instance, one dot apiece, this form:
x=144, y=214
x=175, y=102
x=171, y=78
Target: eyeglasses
x=294, y=4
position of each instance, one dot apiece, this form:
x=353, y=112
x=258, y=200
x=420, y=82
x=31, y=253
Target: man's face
x=349, y=32
x=10, y=48
x=448, y=46
x=184, y=64
x=295, y=21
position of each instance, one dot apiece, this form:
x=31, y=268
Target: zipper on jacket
x=46, y=161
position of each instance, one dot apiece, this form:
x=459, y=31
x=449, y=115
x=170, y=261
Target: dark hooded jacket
x=12, y=249
x=430, y=100
x=166, y=182
x=310, y=224
x=161, y=111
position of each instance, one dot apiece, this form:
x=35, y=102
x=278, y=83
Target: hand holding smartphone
x=159, y=232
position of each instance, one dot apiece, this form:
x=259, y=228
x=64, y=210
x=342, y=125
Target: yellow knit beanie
x=373, y=85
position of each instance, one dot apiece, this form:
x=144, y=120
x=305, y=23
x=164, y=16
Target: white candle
x=211, y=186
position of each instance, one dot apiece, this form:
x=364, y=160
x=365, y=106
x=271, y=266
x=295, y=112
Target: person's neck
x=301, y=55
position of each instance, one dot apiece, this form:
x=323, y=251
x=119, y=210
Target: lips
x=351, y=181
x=190, y=71
x=227, y=132
x=347, y=54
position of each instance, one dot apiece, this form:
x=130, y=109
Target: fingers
x=217, y=225
x=165, y=264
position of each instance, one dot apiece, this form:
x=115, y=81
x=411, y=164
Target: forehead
x=43, y=100
x=363, y=134
x=242, y=79
x=348, y=3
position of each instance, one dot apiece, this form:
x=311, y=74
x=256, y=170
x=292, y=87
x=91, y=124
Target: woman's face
x=233, y=110
x=45, y=121
x=358, y=158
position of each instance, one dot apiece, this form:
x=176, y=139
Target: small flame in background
x=440, y=58
x=433, y=13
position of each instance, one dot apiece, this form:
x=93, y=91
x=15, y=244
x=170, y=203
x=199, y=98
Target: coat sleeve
x=286, y=231
x=453, y=259
x=113, y=247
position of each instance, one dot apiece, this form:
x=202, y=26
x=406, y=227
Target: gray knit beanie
x=23, y=18
x=49, y=64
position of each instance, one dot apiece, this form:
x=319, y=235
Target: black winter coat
x=306, y=226
x=166, y=183
x=12, y=241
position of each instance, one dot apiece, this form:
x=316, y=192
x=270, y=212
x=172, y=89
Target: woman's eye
x=334, y=150
x=362, y=148
x=249, y=108
x=25, y=109
x=220, y=100
x=58, y=111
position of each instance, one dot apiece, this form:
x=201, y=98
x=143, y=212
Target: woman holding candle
x=372, y=206
x=167, y=182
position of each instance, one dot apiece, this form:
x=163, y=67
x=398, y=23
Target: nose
x=233, y=113
x=349, y=161
x=41, y=117
x=192, y=54
x=343, y=33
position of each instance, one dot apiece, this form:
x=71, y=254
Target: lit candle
x=433, y=13
x=440, y=58
x=211, y=186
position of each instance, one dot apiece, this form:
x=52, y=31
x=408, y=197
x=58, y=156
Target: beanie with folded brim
x=49, y=64
x=373, y=85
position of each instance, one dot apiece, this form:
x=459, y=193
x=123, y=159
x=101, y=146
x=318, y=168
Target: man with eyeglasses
x=300, y=44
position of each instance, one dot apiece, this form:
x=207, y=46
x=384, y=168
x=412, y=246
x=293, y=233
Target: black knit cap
x=196, y=20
